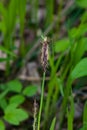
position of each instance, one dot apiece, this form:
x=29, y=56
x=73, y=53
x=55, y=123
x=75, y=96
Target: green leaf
x=3, y=94
x=17, y=99
x=70, y=114
x=78, y=32
x=82, y=3
x=49, y=12
x=2, y=27
x=84, y=17
x=3, y=103
x=85, y=117
x=2, y=126
x=60, y=86
x=14, y=86
x=2, y=9
x=15, y=115
x=30, y=91
x=11, y=14
x=21, y=9
x=85, y=40
x=80, y=70
x=61, y=45
x=4, y=59
x=7, y=51
x=82, y=128
x=34, y=11
x=10, y=107
x=53, y=124
x=80, y=50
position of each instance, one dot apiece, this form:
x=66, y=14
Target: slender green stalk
x=51, y=84
x=65, y=100
x=41, y=101
x=35, y=115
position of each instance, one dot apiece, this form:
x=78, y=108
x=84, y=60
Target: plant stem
x=65, y=100
x=41, y=101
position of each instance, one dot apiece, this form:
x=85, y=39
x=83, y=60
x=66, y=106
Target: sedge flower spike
x=44, y=53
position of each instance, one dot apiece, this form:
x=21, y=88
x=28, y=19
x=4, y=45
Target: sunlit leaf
x=30, y=91
x=2, y=126
x=82, y=3
x=17, y=99
x=15, y=115
x=53, y=124
x=14, y=86
x=78, y=31
x=61, y=45
x=80, y=69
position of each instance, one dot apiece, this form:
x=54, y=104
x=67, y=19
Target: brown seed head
x=44, y=53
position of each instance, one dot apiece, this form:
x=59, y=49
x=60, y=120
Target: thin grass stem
x=41, y=101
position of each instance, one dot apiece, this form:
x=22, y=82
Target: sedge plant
x=44, y=59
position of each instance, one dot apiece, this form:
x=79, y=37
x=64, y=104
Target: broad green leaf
x=80, y=70
x=17, y=99
x=30, y=91
x=14, y=86
x=78, y=32
x=53, y=124
x=15, y=115
x=3, y=103
x=3, y=94
x=84, y=17
x=2, y=125
x=85, y=117
x=10, y=107
x=82, y=3
x=61, y=45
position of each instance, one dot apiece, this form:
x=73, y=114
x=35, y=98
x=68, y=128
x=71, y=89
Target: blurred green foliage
x=67, y=60
x=12, y=113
